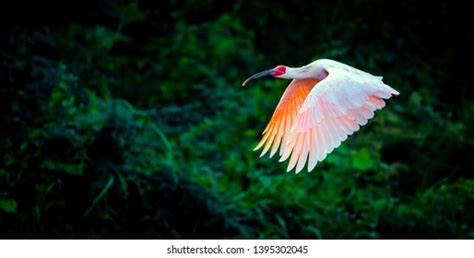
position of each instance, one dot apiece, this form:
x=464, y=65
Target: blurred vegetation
x=126, y=119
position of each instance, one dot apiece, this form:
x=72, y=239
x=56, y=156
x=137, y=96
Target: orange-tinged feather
x=279, y=135
x=277, y=132
x=270, y=140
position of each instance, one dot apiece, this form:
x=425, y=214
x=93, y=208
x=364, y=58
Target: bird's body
x=325, y=103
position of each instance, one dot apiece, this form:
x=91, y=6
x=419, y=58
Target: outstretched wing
x=334, y=109
x=278, y=129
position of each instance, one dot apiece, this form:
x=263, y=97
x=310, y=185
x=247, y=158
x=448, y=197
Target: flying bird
x=325, y=102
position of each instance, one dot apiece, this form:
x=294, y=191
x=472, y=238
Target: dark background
x=126, y=119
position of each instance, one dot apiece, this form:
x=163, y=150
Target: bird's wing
x=278, y=129
x=334, y=109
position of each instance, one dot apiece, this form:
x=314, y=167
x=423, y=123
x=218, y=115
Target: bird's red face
x=279, y=70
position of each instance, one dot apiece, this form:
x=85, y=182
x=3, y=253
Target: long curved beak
x=257, y=75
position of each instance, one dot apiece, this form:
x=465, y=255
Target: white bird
x=325, y=102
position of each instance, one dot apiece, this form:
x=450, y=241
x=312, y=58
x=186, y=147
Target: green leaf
x=362, y=160
x=8, y=205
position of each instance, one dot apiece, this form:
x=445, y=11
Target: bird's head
x=278, y=71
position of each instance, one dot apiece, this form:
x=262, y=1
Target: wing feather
x=336, y=108
x=278, y=129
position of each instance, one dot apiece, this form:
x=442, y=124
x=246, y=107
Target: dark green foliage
x=127, y=120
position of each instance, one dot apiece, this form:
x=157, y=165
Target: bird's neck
x=305, y=72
